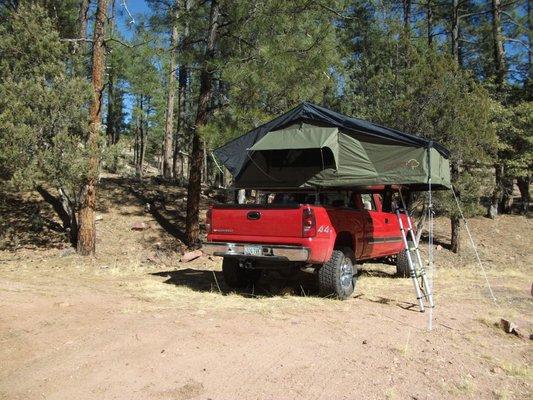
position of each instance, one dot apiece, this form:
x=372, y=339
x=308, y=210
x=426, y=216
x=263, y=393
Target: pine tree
x=43, y=119
x=87, y=232
x=206, y=92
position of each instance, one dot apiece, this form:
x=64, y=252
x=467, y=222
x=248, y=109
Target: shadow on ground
x=377, y=273
x=271, y=283
x=28, y=222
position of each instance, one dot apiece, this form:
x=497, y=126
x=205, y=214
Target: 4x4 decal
x=324, y=229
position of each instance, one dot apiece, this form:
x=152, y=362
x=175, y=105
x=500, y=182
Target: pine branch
x=528, y=48
x=74, y=40
x=331, y=10
x=515, y=22
x=468, y=15
x=129, y=45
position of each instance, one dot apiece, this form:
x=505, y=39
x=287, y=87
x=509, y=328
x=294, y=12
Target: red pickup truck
x=327, y=231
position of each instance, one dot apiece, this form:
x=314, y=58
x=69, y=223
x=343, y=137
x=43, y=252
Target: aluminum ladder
x=417, y=271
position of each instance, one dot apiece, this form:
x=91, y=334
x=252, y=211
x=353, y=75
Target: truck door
x=394, y=242
x=374, y=226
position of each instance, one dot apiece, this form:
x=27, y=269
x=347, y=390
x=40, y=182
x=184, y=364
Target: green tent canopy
x=312, y=147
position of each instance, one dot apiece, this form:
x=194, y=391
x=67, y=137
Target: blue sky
x=136, y=8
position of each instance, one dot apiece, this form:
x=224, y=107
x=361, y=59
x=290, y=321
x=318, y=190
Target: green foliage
x=353, y=56
x=43, y=117
x=515, y=127
x=274, y=55
x=421, y=91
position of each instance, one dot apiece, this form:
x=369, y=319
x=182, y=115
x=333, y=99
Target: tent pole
x=430, y=237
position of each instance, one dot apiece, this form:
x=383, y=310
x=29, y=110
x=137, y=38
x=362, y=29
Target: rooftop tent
x=313, y=147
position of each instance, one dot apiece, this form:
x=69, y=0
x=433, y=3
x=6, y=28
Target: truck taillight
x=208, y=225
x=308, y=223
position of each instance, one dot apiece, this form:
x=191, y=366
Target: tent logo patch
x=412, y=163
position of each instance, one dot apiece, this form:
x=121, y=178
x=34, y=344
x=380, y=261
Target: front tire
x=336, y=278
x=237, y=277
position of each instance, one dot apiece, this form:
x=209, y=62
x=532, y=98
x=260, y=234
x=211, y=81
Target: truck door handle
x=386, y=220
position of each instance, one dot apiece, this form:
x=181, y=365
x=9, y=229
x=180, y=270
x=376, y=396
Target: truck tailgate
x=257, y=220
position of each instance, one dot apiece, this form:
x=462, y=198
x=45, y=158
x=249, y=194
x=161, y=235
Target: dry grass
x=466, y=387
x=522, y=371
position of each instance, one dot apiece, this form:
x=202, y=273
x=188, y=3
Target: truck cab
x=327, y=231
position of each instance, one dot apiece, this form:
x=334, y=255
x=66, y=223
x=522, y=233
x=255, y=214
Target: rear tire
x=237, y=277
x=336, y=278
x=402, y=263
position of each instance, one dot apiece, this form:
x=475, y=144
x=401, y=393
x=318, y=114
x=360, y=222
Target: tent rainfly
x=313, y=147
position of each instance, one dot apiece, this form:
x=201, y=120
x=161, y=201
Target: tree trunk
x=141, y=146
x=182, y=115
x=507, y=192
x=177, y=160
x=455, y=242
x=110, y=120
x=195, y=169
x=205, y=173
x=79, y=62
x=142, y=151
x=523, y=186
x=429, y=22
x=497, y=192
x=421, y=224
x=110, y=128
x=455, y=31
x=136, y=147
x=499, y=74
x=87, y=232
x=65, y=210
x=407, y=17
x=499, y=54
x=82, y=19
x=529, y=81
x=455, y=219
x=169, y=122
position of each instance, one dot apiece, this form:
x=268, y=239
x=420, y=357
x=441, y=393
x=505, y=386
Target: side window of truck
x=368, y=202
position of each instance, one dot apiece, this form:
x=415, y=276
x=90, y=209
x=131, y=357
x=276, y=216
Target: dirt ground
x=135, y=323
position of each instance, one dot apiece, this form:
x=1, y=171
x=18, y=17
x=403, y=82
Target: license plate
x=253, y=250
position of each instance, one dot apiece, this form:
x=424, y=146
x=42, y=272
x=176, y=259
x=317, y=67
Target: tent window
x=300, y=158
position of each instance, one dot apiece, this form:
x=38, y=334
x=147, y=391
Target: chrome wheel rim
x=346, y=277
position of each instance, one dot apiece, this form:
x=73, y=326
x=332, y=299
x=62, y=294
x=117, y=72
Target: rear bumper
x=268, y=252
